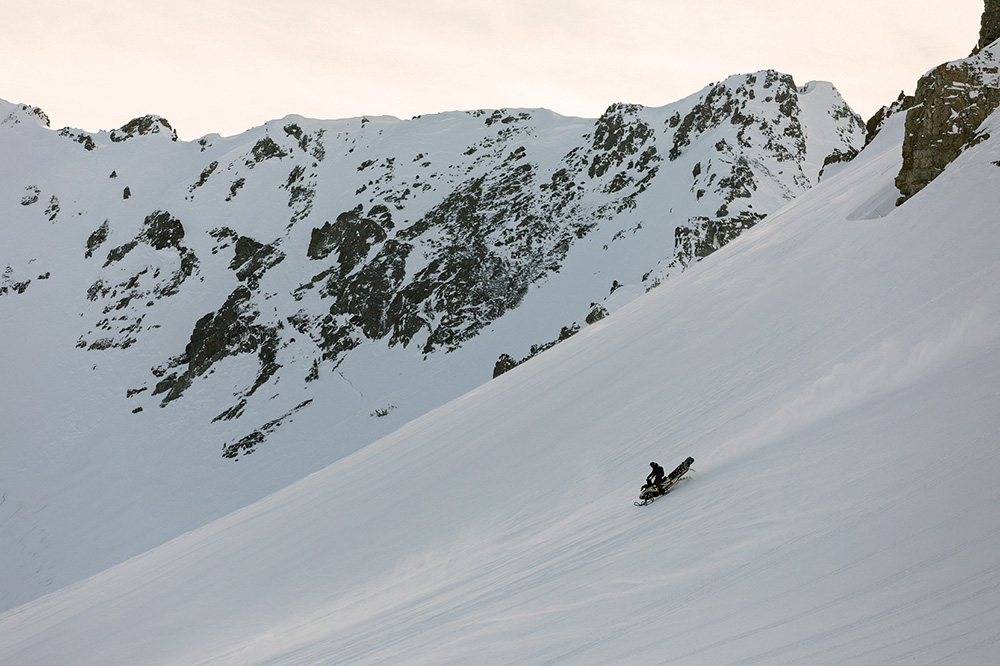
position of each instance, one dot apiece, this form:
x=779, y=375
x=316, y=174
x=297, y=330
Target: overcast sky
x=228, y=65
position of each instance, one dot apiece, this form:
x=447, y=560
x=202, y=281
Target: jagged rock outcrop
x=143, y=126
x=253, y=259
x=233, y=329
x=877, y=121
x=950, y=103
x=989, y=30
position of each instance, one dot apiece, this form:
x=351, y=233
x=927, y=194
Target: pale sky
x=225, y=66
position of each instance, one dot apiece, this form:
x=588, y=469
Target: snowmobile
x=651, y=491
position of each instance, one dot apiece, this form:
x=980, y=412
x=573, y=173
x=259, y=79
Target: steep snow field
x=835, y=373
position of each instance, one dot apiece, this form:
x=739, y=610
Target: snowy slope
x=190, y=326
x=834, y=374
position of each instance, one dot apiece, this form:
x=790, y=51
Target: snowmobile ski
x=666, y=490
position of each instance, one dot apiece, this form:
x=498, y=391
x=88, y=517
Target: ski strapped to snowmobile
x=651, y=491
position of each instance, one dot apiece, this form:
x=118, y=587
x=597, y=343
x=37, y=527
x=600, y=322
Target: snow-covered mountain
x=298, y=291
x=834, y=373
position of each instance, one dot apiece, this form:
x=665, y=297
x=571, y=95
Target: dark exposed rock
x=143, y=126
x=352, y=235
x=96, y=239
x=950, y=103
x=162, y=231
x=246, y=249
x=253, y=259
x=618, y=136
x=301, y=192
x=231, y=330
x=266, y=149
x=26, y=112
x=222, y=333
x=597, y=313
x=369, y=298
x=838, y=157
x=989, y=30
x=235, y=187
x=203, y=178
x=31, y=196
x=52, y=210
x=506, y=362
x=726, y=105
x=702, y=236
x=488, y=245
x=248, y=444
x=118, y=253
x=9, y=285
x=875, y=123
x=503, y=364
x=82, y=138
x=488, y=255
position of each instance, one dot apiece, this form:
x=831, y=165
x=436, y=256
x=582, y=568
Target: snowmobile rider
x=655, y=477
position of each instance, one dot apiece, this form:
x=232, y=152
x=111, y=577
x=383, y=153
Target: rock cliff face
x=950, y=103
x=877, y=121
x=989, y=30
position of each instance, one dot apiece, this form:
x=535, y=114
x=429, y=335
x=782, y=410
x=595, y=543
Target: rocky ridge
x=424, y=246
x=949, y=105
x=209, y=297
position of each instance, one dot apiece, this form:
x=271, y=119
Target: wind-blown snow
x=833, y=372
